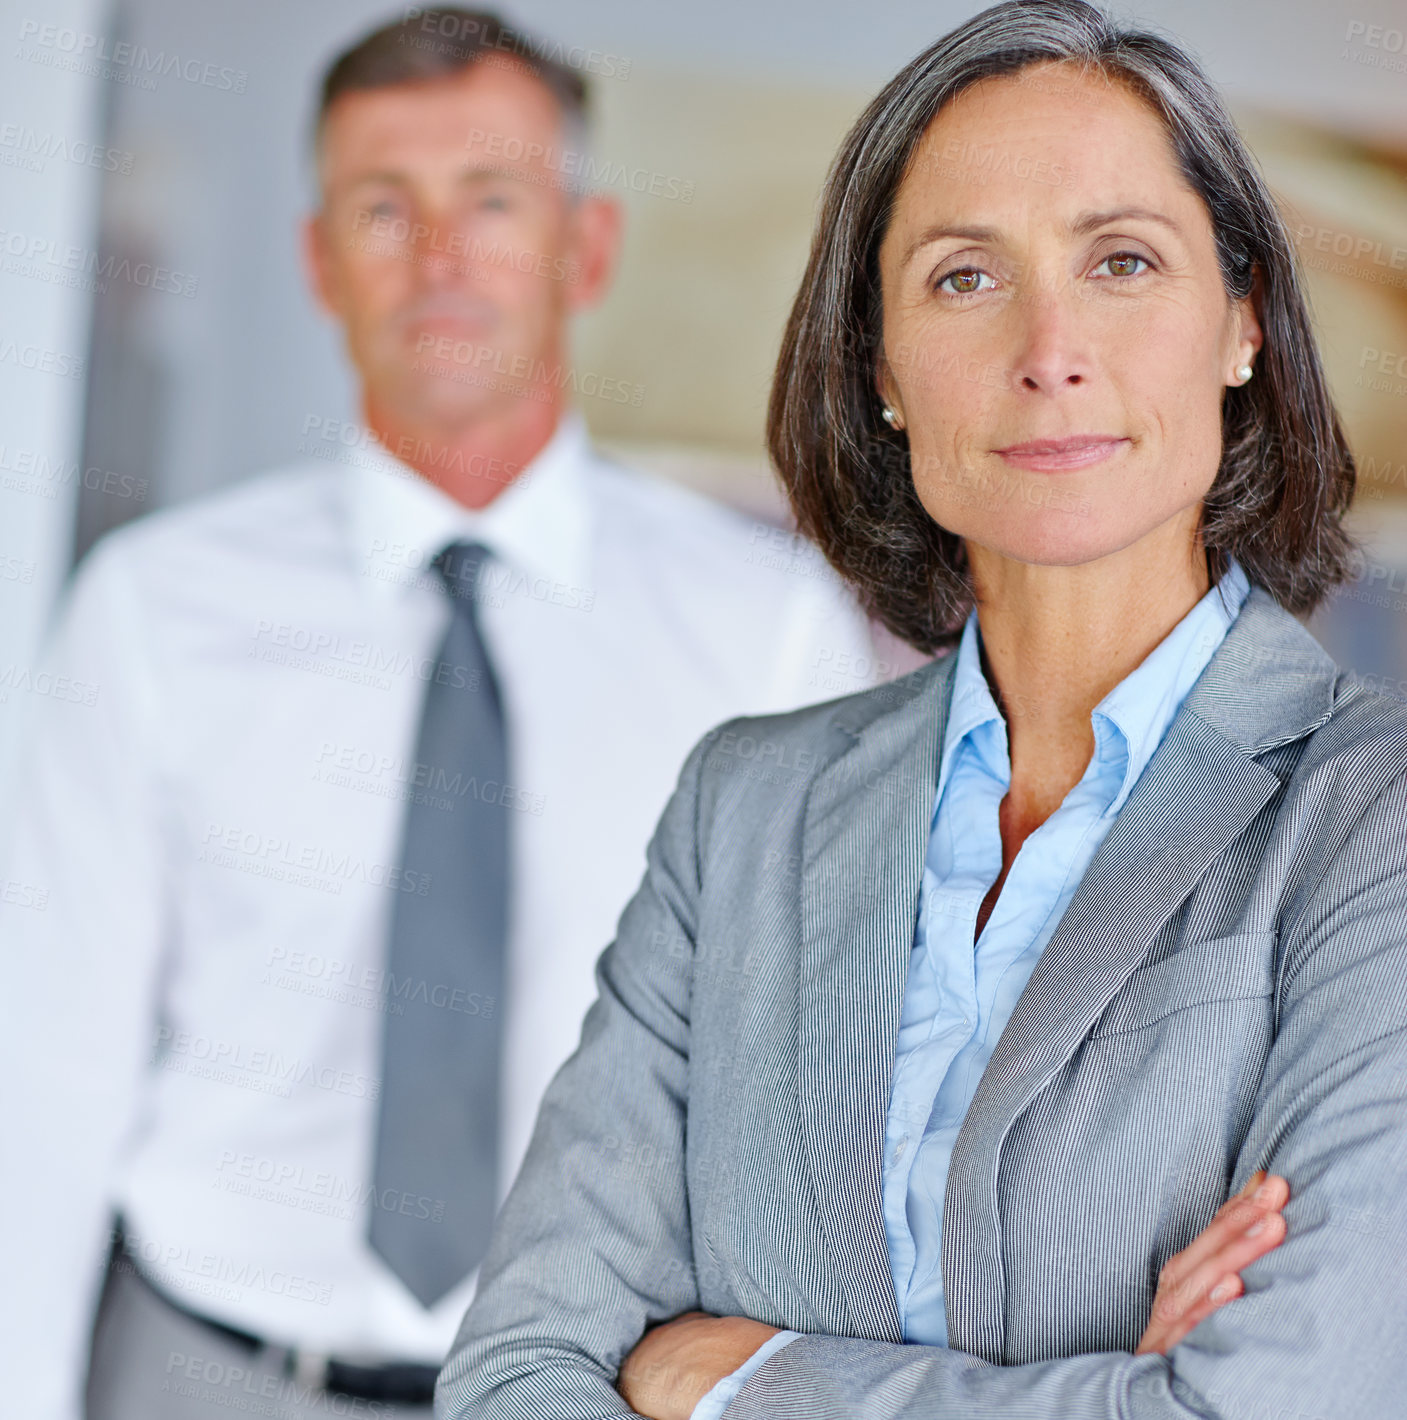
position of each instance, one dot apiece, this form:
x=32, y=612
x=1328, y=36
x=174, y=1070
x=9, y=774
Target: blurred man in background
x=374, y=752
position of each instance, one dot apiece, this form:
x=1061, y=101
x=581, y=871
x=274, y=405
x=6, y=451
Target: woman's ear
x=888, y=392
x=1250, y=337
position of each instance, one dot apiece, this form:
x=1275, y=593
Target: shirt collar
x=1142, y=705
x=971, y=704
x=539, y=524
x=1131, y=720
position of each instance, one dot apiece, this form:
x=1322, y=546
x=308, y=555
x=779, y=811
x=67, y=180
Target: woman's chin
x=1043, y=539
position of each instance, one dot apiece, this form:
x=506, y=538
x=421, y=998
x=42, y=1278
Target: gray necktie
x=436, y=1172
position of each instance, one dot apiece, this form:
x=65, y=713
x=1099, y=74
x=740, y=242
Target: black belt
x=403, y=1382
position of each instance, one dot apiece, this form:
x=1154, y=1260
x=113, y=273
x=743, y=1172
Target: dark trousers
x=152, y=1361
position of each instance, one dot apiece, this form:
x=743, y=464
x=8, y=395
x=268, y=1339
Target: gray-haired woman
x=974, y=1043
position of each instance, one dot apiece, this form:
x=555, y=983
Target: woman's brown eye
x=966, y=282
x=1124, y=263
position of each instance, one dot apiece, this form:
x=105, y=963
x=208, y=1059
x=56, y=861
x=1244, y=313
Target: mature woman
x=948, y=1015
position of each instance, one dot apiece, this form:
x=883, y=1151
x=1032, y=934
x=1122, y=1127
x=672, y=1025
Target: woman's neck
x=1056, y=640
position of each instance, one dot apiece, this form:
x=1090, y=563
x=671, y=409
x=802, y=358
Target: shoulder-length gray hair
x=1286, y=476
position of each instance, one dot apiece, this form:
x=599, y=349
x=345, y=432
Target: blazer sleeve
x=1321, y=1330
x=592, y=1244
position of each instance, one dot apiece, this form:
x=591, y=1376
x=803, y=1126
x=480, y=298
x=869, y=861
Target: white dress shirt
x=195, y=977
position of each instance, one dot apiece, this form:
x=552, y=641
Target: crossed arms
x=581, y=1265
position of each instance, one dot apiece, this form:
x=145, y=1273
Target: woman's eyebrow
x=1084, y=223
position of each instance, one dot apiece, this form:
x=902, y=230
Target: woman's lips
x=1054, y=455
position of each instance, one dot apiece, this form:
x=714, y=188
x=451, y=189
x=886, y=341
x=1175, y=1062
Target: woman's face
x=1048, y=275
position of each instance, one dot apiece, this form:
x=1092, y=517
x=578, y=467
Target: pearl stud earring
x=890, y=418
x=1244, y=373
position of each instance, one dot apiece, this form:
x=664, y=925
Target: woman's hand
x=674, y=1365
x=1205, y=1274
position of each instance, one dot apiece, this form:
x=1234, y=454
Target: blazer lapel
x=865, y=838
x=1267, y=683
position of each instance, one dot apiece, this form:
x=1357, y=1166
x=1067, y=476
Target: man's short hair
x=439, y=43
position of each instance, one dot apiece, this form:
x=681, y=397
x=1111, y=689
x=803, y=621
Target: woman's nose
x=1051, y=347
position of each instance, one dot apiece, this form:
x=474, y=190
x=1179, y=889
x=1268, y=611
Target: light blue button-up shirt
x=958, y=996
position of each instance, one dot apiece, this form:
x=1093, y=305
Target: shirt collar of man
x=1131, y=720
x=539, y=524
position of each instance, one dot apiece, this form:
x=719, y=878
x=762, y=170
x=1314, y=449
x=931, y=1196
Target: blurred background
x=157, y=339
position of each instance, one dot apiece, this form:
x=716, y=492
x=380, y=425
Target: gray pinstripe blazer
x=1227, y=990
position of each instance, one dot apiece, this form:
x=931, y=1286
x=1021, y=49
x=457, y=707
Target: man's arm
x=593, y=1243
x=81, y=925
x=1322, y=1328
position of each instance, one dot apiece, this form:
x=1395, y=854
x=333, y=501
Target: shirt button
x=899, y=1152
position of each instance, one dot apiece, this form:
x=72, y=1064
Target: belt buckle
x=309, y=1368
x=304, y=1368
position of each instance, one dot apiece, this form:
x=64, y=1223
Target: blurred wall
x=51, y=129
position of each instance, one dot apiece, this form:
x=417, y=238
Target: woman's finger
x=1205, y=1275
x=1191, y=1298
x=1231, y=1222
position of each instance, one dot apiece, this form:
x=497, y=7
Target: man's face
x=448, y=244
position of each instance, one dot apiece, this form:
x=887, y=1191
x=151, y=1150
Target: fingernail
x=1252, y=1182
x=1262, y=1194
x=1258, y=1227
x=1222, y=1289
